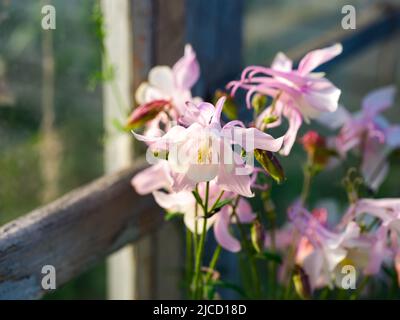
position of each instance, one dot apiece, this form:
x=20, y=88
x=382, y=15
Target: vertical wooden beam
x=50, y=147
x=118, y=146
x=140, y=34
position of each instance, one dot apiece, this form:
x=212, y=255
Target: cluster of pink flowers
x=202, y=167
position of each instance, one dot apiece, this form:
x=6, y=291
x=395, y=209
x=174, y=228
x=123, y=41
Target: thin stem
x=306, y=184
x=199, y=254
x=360, y=289
x=189, y=257
x=247, y=247
x=213, y=263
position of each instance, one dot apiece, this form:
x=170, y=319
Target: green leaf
x=222, y=203
x=231, y=286
x=268, y=255
x=198, y=198
x=172, y=215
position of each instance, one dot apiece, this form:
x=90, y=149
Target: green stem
x=213, y=263
x=360, y=289
x=199, y=254
x=247, y=247
x=306, y=184
x=189, y=258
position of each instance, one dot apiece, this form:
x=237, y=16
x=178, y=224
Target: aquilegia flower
x=386, y=245
x=322, y=250
x=370, y=133
x=163, y=97
x=298, y=93
x=204, y=150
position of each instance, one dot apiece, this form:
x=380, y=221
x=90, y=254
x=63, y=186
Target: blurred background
x=51, y=114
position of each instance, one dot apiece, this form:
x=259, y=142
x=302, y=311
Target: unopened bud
x=301, y=283
x=270, y=164
x=146, y=112
x=258, y=102
x=257, y=236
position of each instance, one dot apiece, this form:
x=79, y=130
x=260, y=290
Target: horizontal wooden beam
x=73, y=233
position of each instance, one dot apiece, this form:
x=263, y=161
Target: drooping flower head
x=201, y=149
x=298, y=93
x=321, y=250
x=368, y=132
x=163, y=97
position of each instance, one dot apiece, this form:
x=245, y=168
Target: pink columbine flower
x=385, y=244
x=368, y=132
x=202, y=149
x=299, y=93
x=322, y=250
x=171, y=86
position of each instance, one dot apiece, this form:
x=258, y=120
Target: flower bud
x=146, y=112
x=301, y=283
x=258, y=102
x=270, y=164
x=230, y=108
x=257, y=236
x=316, y=148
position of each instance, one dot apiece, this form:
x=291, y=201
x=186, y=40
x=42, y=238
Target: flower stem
x=306, y=184
x=200, y=250
x=213, y=263
x=247, y=247
x=189, y=257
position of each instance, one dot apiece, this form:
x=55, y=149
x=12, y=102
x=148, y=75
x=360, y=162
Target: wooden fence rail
x=73, y=233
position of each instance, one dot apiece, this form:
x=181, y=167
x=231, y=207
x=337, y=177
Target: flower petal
x=186, y=70
x=378, y=100
x=222, y=234
x=282, y=63
x=244, y=211
x=317, y=57
x=295, y=121
x=152, y=178
x=162, y=78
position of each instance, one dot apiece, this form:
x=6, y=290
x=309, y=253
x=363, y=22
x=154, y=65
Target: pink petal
x=393, y=136
x=222, y=234
x=321, y=95
x=378, y=252
x=152, y=178
x=161, y=77
x=374, y=167
x=282, y=63
x=295, y=122
x=201, y=113
x=252, y=138
x=216, y=119
x=186, y=70
x=244, y=211
x=378, y=100
x=335, y=120
x=315, y=58
x=231, y=181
